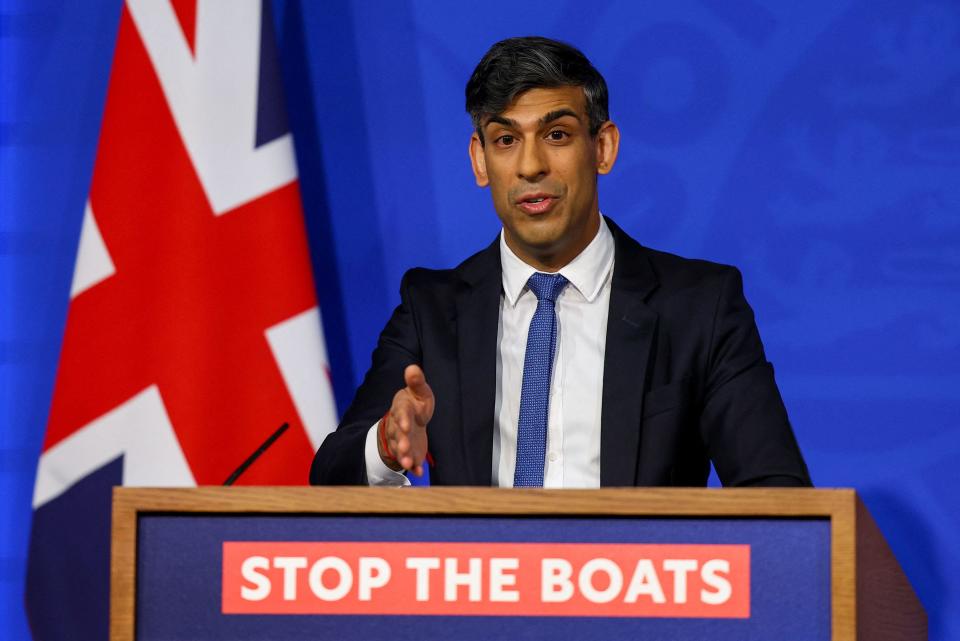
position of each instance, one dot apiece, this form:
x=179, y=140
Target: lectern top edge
x=799, y=502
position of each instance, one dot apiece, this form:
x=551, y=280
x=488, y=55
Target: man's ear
x=608, y=144
x=478, y=161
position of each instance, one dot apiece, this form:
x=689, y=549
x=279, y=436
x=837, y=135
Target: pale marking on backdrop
x=213, y=97
x=139, y=430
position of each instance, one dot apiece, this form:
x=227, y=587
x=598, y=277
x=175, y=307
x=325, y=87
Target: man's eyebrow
x=547, y=118
x=507, y=122
x=558, y=113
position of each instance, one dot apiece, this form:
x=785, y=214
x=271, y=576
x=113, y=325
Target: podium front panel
x=213, y=576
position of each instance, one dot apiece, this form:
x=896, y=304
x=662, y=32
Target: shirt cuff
x=377, y=471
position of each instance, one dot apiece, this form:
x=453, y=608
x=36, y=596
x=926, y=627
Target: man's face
x=541, y=164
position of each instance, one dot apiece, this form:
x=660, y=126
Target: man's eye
x=558, y=135
x=505, y=140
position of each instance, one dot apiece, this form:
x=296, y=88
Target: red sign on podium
x=494, y=579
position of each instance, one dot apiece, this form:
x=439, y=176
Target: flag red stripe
x=192, y=295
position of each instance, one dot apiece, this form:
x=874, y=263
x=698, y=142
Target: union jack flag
x=193, y=328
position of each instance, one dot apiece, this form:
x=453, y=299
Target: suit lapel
x=478, y=315
x=631, y=327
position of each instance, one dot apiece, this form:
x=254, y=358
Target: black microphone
x=257, y=454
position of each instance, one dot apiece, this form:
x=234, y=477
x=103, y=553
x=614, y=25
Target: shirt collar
x=587, y=272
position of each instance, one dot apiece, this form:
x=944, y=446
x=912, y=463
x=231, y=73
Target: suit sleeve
x=340, y=459
x=744, y=421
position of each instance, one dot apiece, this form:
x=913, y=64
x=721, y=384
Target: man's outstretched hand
x=403, y=434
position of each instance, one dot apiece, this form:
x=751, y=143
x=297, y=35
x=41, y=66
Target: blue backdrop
x=816, y=145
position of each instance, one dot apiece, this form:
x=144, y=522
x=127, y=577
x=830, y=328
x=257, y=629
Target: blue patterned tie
x=535, y=391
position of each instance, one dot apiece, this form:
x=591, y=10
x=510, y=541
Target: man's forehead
x=534, y=104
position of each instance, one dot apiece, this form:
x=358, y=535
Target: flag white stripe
x=301, y=355
x=139, y=430
x=94, y=264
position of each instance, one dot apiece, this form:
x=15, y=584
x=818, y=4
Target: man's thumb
x=417, y=382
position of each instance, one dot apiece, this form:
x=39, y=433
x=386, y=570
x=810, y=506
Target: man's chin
x=538, y=237
x=541, y=248
x=539, y=231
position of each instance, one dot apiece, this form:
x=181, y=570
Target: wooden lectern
x=482, y=563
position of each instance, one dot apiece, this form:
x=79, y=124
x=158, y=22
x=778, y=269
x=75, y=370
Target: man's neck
x=553, y=262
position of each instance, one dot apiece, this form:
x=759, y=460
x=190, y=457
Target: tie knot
x=546, y=286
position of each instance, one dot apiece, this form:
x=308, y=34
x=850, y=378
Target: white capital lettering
x=710, y=573
x=422, y=565
x=471, y=578
x=344, y=578
x=500, y=580
x=290, y=565
x=250, y=570
x=615, y=584
x=374, y=573
x=680, y=568
x=555, y=584
x=645, y=581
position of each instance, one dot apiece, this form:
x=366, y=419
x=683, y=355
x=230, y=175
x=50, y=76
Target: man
x=564, y=354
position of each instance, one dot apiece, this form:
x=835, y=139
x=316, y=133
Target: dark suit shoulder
x=680, y=271
x=703, y=280
x=446, y=281
x=661, y=274
x=423, y=278
x=426, y=292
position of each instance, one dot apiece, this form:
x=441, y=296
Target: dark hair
x=515, y=65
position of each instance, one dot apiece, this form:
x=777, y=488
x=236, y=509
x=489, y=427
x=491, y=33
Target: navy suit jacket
x=685, y=379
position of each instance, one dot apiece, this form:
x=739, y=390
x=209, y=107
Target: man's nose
x=533, y=161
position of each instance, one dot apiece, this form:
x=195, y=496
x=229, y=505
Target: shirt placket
x=553, y=466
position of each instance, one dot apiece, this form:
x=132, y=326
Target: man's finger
x=401, y=446
x=403, y=413
x=420, y=392
x=412, y=409
x=417, y=382
x=406, y=446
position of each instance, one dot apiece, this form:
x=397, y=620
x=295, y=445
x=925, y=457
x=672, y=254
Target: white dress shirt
x=576, y=389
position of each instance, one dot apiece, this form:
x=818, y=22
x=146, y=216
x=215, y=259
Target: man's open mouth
x=536, y=203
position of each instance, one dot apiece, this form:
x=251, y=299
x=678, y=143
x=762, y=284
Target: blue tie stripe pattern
x=537, y=372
